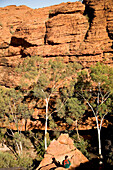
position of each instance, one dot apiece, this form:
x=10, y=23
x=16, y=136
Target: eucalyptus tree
x=46, y=77
x=12, y=110
x=73, y=110
x=55, y=74
x=96, y=88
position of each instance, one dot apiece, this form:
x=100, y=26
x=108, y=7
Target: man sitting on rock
x=66, y=162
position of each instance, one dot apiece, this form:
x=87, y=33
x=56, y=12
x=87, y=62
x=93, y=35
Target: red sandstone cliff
x=76, y=31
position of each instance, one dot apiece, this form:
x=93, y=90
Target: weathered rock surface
x=66, y=28
x=75, y=31
x=66, y=8
x=57, y=150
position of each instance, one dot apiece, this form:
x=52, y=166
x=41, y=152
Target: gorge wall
x=74, y=31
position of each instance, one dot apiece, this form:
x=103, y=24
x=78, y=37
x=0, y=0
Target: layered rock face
x=75, y=31
x=66, y=25
x=57, y=151
x=99, y=35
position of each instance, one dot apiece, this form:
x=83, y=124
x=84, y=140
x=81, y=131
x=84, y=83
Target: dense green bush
x=25, y=162
x=40, y=150
x=81, y=144
x=8, y=161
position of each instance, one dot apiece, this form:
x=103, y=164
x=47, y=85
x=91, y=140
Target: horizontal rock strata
x=75, y=31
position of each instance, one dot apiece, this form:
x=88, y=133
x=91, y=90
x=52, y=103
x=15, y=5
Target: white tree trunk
x=104, y=98
x=99, y=141
x=46, y=133
x=47, y=101
x=99, y=137
x=21, y=147
x=19, y=152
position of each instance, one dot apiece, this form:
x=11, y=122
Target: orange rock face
x=58, y=149
x=81, y=32
x=66, y=28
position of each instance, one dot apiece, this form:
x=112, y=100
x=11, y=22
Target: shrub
x=40, y=150
x=8, y=161
x=81, y=144
x=25, y=162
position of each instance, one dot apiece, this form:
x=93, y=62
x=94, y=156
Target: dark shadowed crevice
x=45, y=37
x=23, y=55
x=89, y=13
x=20, y=42
x=52, y=43
x=109, y=34
x=68, y=12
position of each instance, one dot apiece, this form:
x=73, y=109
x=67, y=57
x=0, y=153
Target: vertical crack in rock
x=108, y=8
x=89, y=13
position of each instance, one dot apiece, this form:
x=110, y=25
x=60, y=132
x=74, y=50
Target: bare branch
x=88, y=104
x=44, y=93
x=10, y=134
x=106, y=98
x=103, y=119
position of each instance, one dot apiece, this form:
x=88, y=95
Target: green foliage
x=96, y=87
x=2, y=132
x=12, y=104
x=50, y=11
x=40, y=150
x=103, y=74
x=29, y=69
x=75, y=108
x=25, y=162
x=46, y=79
x=38, y=142
x=8, y=161
x=55, y=72
x=81, y=144
x=13, y=109
x=72, y=109
x=52, y=123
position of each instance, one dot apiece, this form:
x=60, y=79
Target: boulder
x=56, y=152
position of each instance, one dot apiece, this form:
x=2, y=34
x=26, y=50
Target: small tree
x=76, y=111
x=96, y=88
x=73, y=110
x=13, y=110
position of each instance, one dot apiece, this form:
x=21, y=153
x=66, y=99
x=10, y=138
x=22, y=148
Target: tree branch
x=103, y=119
